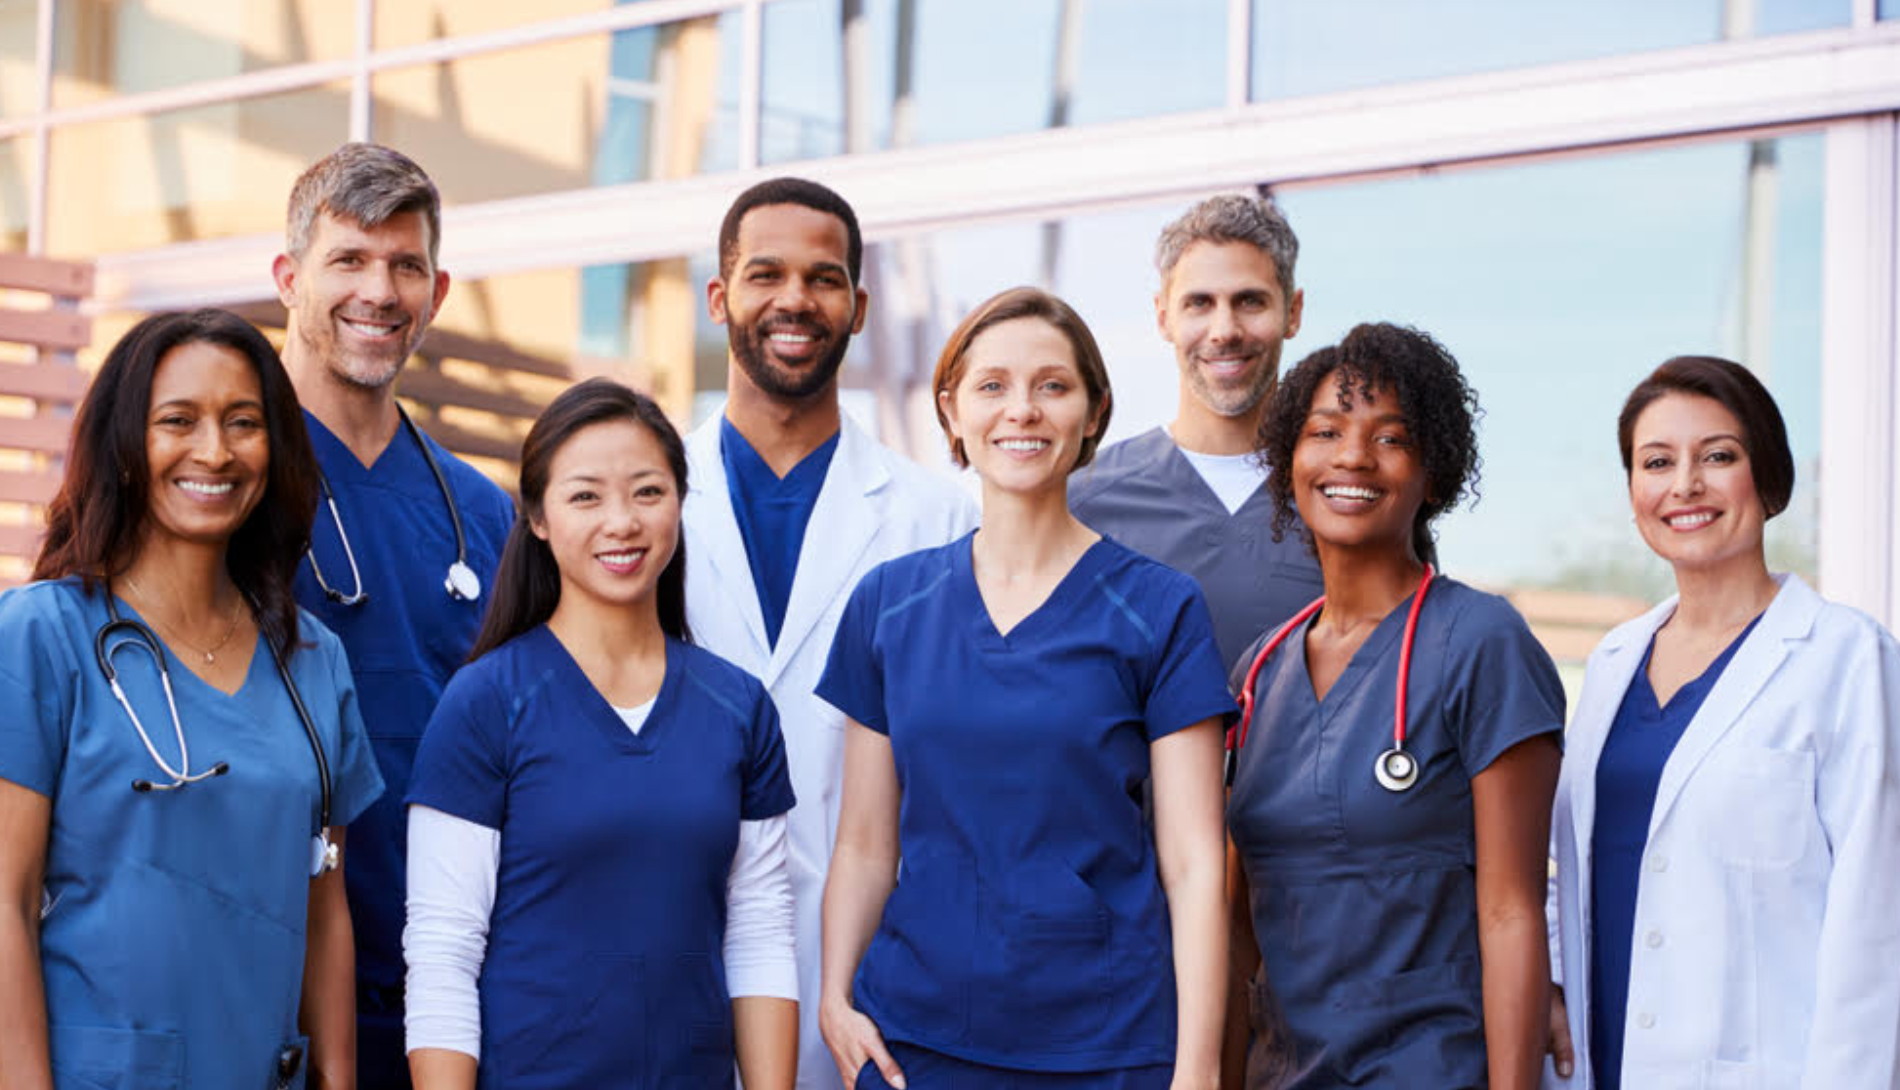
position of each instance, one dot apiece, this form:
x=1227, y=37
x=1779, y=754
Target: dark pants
x=381, y=1063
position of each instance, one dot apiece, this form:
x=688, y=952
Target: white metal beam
x=1719, y=88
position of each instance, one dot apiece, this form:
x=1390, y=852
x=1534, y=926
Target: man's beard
x=778, y=382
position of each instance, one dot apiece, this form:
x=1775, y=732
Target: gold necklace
x=210, y=653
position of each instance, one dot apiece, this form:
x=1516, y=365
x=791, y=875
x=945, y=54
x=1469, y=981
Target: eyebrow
x=596, y=478
x=1394, y=417
x=1718, y=437
x=192, y=403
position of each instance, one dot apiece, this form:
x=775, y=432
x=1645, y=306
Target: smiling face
x=1224, y=312
x=610, y=515
x=787, y=300
x=206, y=445
x=1021, y=408
x=1692, y=488
x=1357, y=478
x=360, y=298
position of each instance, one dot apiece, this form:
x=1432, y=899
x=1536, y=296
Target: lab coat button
x=1658, y=862
x=1653, y=939
x=1646, y=1020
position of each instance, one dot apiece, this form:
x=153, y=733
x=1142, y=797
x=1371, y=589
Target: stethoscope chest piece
x=462, y=583
x=1396, y=770
x=324, y=856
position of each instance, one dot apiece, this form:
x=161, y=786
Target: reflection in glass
x=936, y=71
x=106, y=48
x=1304, y=47
x=208, y=172
x=19, y=83
x=566, y=115
x=410, y=22
x=16, y=187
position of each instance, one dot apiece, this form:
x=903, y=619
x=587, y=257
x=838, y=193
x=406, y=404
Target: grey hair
x=365, y=184
x=1232, y=217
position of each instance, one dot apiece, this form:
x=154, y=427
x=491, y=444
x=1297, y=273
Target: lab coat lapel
x=716, y=529
x=843, y=523
x=1789, y=617
x=1605, y=684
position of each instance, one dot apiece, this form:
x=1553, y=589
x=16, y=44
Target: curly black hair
x=1441, y=413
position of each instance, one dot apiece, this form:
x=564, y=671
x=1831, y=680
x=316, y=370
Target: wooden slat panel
x=438, y=389
x=43, y=382
x=28, y=486
x=441, y=343
x=20, y=540
x=68, y=278
x=45, y=434
x=467, y=442
x=46, y=328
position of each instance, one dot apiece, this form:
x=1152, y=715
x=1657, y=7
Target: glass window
x=411, y=22
x=1303, y=47
x=598, y=110
x=19, y=68
x=16, y=190
x=206, y=172
x=1890, y=9
x=982, y=68
x=121, y=47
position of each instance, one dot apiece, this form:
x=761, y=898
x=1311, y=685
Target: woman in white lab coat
x=1727, y=825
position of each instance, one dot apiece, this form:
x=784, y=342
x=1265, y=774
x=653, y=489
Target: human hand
x=853, y=1039
x=1563, y=1057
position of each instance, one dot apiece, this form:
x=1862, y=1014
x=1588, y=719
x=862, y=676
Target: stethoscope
x=1395, y=769
x=461, y=581
x=323, y=854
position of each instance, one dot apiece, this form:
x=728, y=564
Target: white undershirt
x=1233, y=477
x=453, y=864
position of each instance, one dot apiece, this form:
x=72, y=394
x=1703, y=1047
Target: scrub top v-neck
x=603, y=964
x=1028, y=929
x=1365, y=900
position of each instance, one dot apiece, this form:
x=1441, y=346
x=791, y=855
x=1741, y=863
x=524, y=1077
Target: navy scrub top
x=403, y=643
x=772, y=513
x=1144, y=493
x=1641, y=738
x=604, y=961
x=1028, y=928
x=1365, y=900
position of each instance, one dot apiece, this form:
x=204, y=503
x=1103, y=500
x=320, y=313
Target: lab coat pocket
x=108, y=1058
x=1056, y=949
x=1764, y=806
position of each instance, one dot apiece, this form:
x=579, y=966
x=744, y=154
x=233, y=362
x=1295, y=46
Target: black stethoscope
x=1395, y=769
x=461, y=581
x=323, y=854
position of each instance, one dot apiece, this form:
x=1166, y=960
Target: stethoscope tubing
x=134, y=631
x=1237, y=734
x=461, y=576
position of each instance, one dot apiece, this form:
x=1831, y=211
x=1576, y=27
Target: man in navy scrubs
x=1192, y=495
x=789, y=503
x=400, y=571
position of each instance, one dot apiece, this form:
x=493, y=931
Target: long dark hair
x=528, y=586
x=96, y=522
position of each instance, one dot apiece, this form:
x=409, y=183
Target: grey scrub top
x=1365, y=900
x=1144, y=493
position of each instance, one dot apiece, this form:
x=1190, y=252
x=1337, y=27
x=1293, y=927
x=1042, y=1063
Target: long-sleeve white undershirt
x=453, y=864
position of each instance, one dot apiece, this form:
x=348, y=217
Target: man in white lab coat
x=790, y=504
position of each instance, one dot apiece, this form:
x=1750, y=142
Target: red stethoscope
x=1396, y=770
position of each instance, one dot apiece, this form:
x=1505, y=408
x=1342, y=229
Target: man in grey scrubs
x=1191, y=495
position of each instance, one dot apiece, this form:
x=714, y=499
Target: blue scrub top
x=604, y=964
x=1028, y=929
x=1365, y=900
x=772, y=513
x=173, y=950
x=1144, y=493
x=1641, y=738
x=403, y=644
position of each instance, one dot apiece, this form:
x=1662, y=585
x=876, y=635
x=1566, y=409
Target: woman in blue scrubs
x=160, y=925
x=598, y=892
x=1009, y=696
x=1394, y=899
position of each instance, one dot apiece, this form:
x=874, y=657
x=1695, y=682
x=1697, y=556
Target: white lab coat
x=1766, y=949
x=873, y=506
